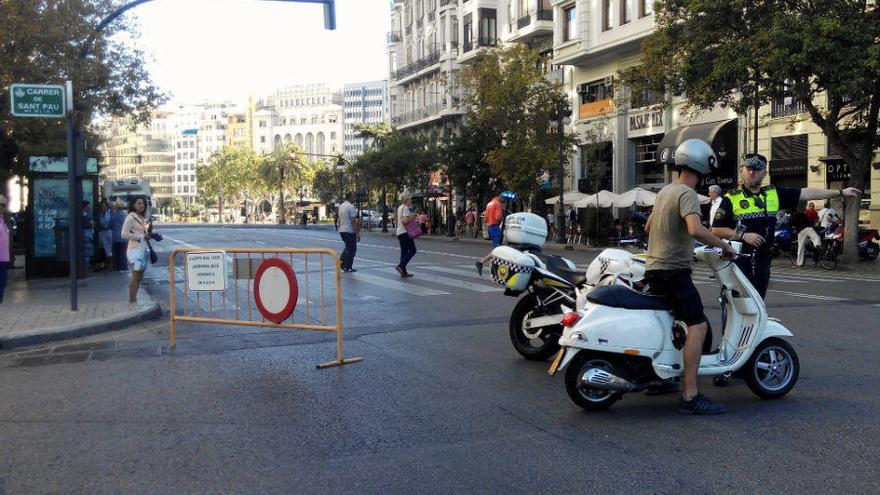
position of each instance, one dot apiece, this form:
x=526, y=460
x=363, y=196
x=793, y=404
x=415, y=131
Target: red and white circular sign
x=275, y=289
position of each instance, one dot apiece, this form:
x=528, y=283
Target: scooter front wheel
x=587, y=398
x=773, y=369
x=538, y=344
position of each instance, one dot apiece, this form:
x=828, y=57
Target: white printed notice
x=206, y=271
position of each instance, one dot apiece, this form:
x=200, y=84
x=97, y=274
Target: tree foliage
x=823, y=53
x=283, y=170
x=40, y=43
x=512, y=106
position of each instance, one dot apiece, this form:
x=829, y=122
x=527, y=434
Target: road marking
x=397, y=285
x=186, y=244
x=809, y=296
x=472, y=273
x=461, y=284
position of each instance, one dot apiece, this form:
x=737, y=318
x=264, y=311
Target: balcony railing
x=392, y=37
x=780, y=109
x=523, y=21
x=545, y=15
x=487, y=42
x=425, y=112
x=418, y=65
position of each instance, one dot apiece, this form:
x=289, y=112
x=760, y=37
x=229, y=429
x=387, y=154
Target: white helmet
x=697, y=155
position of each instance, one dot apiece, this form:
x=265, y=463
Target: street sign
x=275, y=289
x=37, y=100
x=206, y=271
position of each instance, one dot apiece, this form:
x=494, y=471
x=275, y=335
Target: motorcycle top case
x=511, y=268
x=525, y=229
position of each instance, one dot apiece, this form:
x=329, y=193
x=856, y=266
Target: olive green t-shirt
x=670, y=246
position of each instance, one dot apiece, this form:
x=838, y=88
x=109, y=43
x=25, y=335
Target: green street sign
x=37, y=100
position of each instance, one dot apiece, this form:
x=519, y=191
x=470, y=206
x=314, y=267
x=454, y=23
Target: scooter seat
x=621, y=296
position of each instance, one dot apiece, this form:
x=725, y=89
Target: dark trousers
x=351, y=247
x=120, y=258
x=3, y=266
x=757, y=270
x=407, y=249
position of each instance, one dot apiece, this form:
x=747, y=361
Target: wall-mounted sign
x=646, y=122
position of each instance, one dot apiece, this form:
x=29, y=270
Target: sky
x=230, y=49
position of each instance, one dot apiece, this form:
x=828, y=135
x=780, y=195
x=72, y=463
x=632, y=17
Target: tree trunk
x=282, y=213
x=220, y=207
x=384, y=210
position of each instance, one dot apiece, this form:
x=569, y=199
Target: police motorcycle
x=548, y=283
x=624, y=341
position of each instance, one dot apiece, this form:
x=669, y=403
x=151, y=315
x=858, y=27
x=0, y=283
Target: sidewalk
x=37, y=311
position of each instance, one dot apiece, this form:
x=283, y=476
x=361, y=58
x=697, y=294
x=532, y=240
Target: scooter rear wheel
x=773, y=369
x=536, y=345
x=590, y=399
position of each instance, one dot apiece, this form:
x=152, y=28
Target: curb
x=149, y=312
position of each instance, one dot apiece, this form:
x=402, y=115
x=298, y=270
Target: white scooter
x=625, y=341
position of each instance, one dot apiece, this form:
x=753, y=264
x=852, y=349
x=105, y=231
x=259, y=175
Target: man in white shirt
x=827, y=215
x=350, y=231
x=715, y=194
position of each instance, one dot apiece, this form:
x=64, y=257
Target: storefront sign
x=836, y=171
x=790, y=166
x=645, y=123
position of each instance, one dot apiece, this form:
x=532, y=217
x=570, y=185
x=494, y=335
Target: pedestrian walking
x=470, y=220
x=804, y=229
x=5, y=245
x=423, y=222
x=407, y=243
x=350, y=230
x=493, y=215
x=105, y=234
x=136, y=231
x=120, y=245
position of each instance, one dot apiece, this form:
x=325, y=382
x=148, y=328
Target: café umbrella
x=569, y=198
x=602, y=199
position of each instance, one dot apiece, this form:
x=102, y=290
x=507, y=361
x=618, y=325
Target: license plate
x=556, y=361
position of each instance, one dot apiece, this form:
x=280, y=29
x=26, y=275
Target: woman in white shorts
x=137, y=232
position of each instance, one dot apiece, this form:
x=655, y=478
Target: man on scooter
x=672, y=228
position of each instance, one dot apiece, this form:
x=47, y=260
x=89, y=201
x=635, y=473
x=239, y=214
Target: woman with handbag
x=408, y=228
x=137, y=232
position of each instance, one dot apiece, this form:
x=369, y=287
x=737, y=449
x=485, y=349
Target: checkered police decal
x=502, y=270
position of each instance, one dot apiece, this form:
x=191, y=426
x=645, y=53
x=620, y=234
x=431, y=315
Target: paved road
x=441, y=403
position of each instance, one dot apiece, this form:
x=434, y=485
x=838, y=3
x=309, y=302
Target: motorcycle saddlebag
x=511, y=268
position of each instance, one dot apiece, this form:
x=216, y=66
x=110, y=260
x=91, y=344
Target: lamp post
x=561, y=115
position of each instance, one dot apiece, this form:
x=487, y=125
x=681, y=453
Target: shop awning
x=707, y=132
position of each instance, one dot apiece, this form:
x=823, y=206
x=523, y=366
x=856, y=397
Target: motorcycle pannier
x=525, y=229
x=511, y=268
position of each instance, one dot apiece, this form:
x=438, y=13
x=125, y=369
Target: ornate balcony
x=418, y=65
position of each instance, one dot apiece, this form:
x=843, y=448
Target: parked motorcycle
x=783, y=240
x=868, y=249
x=624, y=341
x=547, y=283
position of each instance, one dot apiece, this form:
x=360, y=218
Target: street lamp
x=561, y=115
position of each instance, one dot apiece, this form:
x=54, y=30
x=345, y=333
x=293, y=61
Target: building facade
x=145, y=152
x=364, y=103
x=308, y=115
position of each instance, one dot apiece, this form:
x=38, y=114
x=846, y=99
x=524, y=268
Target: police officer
x=754, y=208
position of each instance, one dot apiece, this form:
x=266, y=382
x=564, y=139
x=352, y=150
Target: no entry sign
x=275, y=290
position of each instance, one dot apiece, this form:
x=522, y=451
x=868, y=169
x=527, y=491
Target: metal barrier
x=248, y=310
